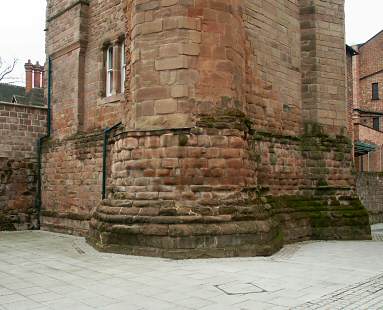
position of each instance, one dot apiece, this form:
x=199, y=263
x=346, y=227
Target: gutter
x=40, y=142
x=105, y=156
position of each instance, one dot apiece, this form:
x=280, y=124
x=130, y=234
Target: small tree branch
x=8, y=69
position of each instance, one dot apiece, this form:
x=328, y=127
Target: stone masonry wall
x=165, y=45
x=66, y=38
x=71, y=182
x=370, y=191
x=106, y=23
x=186, y=57
x=224, y=149
x=274, y=71
x=324, y=64
x=77, y=33
x=20, y=127
x=225, y=191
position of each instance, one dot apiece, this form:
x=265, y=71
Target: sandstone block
x=178, y=62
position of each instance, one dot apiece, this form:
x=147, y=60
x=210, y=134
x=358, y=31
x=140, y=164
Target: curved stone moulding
x=262, y=232
x=183, y=236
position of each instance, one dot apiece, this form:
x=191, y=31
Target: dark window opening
x=376, y=123
x=375, y=91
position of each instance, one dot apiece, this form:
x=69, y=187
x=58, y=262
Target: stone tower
x=233, y=138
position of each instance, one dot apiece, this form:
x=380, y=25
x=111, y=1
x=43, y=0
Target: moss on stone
x=322, y=182
x=6, y=224
x=183, y=140
x=273, y=159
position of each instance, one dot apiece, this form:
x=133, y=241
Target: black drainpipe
x=40, y=144
x=104, y=157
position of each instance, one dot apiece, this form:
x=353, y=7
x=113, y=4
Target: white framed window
x=109, y=71
x=123, y=67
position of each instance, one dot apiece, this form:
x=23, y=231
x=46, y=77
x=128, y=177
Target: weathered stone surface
x=231, y=204
x=369, y=187
x=220, y=144
x=20, y=128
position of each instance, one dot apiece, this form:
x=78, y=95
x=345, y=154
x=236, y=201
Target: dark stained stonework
x=17, y=194
x=20, y=127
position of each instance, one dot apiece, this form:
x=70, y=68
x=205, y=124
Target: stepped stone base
x=281, y=220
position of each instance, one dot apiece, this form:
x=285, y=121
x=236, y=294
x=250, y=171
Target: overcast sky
x=22, y=24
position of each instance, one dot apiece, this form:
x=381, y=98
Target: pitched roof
x=12, y=93
x=372, y=38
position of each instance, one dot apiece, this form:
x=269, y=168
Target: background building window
x=123, y=67
x=375, y=91
x=109, y=71
x=376, y=123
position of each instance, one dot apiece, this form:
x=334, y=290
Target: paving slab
x=42, y=270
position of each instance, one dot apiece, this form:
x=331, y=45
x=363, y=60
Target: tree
x=6, y=68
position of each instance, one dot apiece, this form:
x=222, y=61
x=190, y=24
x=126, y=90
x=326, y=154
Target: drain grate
x=240, y=288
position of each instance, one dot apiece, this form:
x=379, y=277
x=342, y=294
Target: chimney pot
x=37, y=75
x=28, y=76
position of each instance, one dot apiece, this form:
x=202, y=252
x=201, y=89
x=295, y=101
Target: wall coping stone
x=23, y=105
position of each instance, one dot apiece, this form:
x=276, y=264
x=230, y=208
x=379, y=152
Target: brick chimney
x=37, y=71
x=28, y=76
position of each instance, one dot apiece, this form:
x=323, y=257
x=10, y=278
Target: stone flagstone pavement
x=40, y=270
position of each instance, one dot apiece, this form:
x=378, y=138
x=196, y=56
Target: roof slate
x=34, y=97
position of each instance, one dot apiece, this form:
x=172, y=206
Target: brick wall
x=20, y=127
x=365, y=93
x=368, y=134
x=370, y=191
x=370, y=65
x=350, y=94
x=371, y=162
x=368, y=68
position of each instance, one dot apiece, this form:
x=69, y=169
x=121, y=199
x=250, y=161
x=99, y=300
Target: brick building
x=199, y=128
x=366, y=103
x=22, y=121
x=365, y=80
